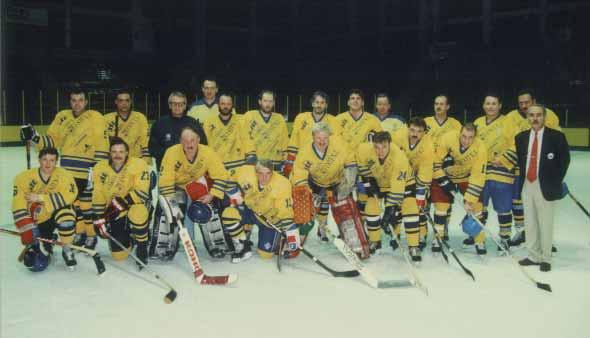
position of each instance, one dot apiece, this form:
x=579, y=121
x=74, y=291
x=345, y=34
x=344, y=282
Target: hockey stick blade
x=544, y=286
x=334, y=273
x=417, y=281
x=100, y=268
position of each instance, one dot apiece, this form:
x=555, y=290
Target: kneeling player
x=120, y=199
x=42, y=201
x=387, y=174
x=468, y=172
x=262, y=197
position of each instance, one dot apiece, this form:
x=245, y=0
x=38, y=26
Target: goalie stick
x=417, y=281
x=542, y=286
x=367, y=275
x=467, y=271
x=191, y=252
x=334, y=273
x=100, y=268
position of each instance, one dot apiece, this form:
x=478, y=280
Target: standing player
x=42, y=201
x=468, y=173
x=132, y=126
x=267, y=130
x=207, y=106
x=80, y=135
x=324, y=165
x=227, y=136
x=120, y=198
x=437, y=126
x=418, y=147
x=303, y=124
x=526, y=98
x=389, y=121
x=497, y=133
x=387, y=174
x=356, y=124
x=264, y=199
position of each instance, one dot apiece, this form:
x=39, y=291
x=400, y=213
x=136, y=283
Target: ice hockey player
x=267, y=130
x=387, y=175
x=325, y=165
x=497, y=133
x=227, y=136
x=419, y=149
x=467, y=174
x=389, y=121
x=42, y=201
x=130, y=125
x=120, y=200
x=184, y=164
x=261, y=197
x=356, y=124
x=80, y=136
x=303, y=124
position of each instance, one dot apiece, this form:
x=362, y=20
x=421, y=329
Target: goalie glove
x=197, y=189
x=28, y=133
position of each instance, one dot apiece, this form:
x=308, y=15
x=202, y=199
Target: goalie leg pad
x=349, y=223
x=164, y=239
x=215, y=238
x=303, y=208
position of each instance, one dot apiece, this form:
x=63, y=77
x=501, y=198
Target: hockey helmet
x=470, y=226
x=35, y=259
x=199, y=212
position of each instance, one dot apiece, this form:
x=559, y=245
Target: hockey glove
x=448, y=161
x=293, y=242
x=421, y=197
x=390, y=217
x=28, y=133
x=288, y=165
x=117, y=206
x=371, y=187
x=448, y=187
x=102, y=227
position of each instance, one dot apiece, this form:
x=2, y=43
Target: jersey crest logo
x=177, y=165
x=304, y=125
x=103, y=177
x=32, y=185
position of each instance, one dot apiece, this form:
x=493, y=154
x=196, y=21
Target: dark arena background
x=412, y=50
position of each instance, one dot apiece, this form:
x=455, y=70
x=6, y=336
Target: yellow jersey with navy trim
x=133, y=130
x=176, y=170
x=498, y=137
x=356, y=130
x=301, y=131
x=82, y=141
x=421, y=156
x=269, y=135
x=272, y=203
x=393, y=174
x=131, y=182
x=437, y=129
x=229, y=139
x=469, y=165
x=522, y=123
x=57, y=192
x=324, y=170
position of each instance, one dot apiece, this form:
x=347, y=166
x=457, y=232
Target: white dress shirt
x=539, y=144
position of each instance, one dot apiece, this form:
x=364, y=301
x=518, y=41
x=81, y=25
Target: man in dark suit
x=543, y=156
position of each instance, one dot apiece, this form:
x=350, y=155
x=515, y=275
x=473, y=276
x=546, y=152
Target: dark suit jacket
x=553, y=163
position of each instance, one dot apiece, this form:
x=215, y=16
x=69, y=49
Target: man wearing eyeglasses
x=165, y=132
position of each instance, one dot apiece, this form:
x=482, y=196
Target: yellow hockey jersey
x=273, y=203
x=301, y=130
x=392, y=123
x=326, y=170
x=469, y=164
x=269, y=136
x=437, y=130
x=498, y=137
x=229, y=139
x=421, y=156
x=176, y=170
x=56, y=193
x=203, y=111
x=551, y=120
x=82, y=141
x=392, y=175
x=355, y=131
x=132, y=180
x=133, y=130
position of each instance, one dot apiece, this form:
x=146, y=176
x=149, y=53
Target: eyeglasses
x=177, y=104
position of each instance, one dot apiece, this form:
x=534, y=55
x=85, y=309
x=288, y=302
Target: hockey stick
x=171, y=295
x=367, y=275
x=417, y=281
x=436, y=236
x=467, y=271
x=95, y=256
x=334, y=273
x=191, y=252
x=542, y=286
x=579, y=204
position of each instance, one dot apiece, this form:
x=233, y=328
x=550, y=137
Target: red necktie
x=531, y=174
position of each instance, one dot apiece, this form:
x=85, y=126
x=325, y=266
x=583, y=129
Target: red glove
x=25, y=227
x=197, y=189
x=288, y=165
x=102, y=227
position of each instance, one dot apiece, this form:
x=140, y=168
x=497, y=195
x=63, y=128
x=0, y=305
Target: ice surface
x=303, y=300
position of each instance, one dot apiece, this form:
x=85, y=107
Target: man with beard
x=227, y=135
x=132, y=126
x=301, y=132
x=166, y=131
x=389, y=121
x=207, y=106
x=267, y=130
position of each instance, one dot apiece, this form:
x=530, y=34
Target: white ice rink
x=303, y=300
